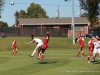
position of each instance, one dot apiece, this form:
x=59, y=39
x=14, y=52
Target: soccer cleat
x=30, y=55
x=88, y=61
x=38, y=58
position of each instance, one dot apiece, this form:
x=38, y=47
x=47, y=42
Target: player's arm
x=76, y=40
x=89, y=43
x=12, y=44
x=31, y=41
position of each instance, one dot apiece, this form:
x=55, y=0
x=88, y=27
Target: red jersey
x=14, y=44
x=81, y=40
x=90, y=43
x=46, y=40
x=45, y=43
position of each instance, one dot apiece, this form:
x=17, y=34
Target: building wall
x=56, y=30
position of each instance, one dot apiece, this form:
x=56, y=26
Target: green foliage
x=92, y=9
x=3, y=24
x=33, y=11
x=1, y=6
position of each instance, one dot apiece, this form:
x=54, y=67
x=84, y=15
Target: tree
x=85, y=14
x=1, y=6
x=3, y=24
x=92, y=9
x=33, y=11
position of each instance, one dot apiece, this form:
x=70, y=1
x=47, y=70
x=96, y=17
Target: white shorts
x=40, y=44
x=96, y=51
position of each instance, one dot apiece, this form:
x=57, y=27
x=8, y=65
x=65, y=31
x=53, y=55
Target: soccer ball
x=12, y=3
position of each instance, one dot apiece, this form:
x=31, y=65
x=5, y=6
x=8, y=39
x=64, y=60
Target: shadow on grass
x=42, y=62
x=96, y=62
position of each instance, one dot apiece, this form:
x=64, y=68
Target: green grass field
x=60, y=58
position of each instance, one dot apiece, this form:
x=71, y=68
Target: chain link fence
x=54, y=32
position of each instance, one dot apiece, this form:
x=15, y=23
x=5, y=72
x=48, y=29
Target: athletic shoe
x=88, y=61
x=30, y=55
x=38, y=58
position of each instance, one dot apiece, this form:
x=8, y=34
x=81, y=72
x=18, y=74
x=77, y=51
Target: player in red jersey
x=91, y=48
x=14, y=48
x=81, y=41
x=44, y=46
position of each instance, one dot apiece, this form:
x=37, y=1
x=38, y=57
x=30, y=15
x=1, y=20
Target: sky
x=50, y=6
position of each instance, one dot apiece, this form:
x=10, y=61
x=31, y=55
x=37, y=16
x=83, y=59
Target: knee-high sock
x=43, y=56
x=88, y=58
x=33, y=52
x=78, y=54
x=38, y=55
x=82, y=53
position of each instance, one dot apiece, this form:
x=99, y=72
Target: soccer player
x=81, y=41
x=14, y=48
x=91, y=48
x=44, y=46
x=38, y=42
x=96, y=47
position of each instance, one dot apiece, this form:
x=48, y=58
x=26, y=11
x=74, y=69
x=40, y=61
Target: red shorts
x=14, y=47
x=91, y=49
x=82, y=45
x=44, y=47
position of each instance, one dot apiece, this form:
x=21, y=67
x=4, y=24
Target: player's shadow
x=47, y=62
x=97, y=62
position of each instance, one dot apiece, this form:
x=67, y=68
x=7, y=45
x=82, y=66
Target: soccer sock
x=78, y=53
x=38, y=55
x=82, y=53
x=88, y=58
x=42, y=56
x=16, y=52
x=12, y=53
x=33, y=52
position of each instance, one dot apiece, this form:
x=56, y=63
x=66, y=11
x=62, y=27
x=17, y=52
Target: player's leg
x=80, y=49
x=78, y=52
x=36, y=48
x=99, y=54
x=34, y=51
x=88, y=59
x=16, y=51
x=94, y=55
x=39, y=53
x=43, y=50
x=13, y=51
x=89, y=56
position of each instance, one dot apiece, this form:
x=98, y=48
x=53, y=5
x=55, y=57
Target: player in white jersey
x=96, y=47
x=38, y=42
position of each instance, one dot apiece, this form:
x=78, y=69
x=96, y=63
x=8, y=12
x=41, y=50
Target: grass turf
x=60, y=59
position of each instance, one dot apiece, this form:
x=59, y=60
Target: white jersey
x=96, y=45
x=37, y=40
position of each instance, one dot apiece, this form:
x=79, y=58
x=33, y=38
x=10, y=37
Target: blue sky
x=50, y=6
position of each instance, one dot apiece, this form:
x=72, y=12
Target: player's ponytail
x=32, y=36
